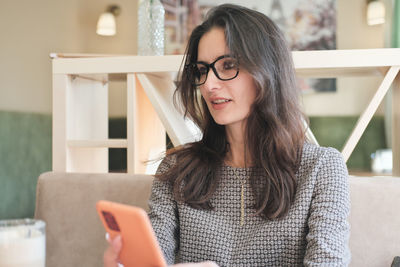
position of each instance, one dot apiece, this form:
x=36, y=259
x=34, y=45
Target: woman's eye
x=229, y=65
x=202, y=70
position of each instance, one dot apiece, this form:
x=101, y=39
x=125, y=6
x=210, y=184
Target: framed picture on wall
x=181, y=16
x=307, y=25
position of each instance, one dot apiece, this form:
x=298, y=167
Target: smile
x=220, y=101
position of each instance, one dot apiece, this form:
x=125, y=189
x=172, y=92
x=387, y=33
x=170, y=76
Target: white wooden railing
x=80, y=103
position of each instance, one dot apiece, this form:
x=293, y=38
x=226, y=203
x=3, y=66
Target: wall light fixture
x=106, y=24
x=375, y=12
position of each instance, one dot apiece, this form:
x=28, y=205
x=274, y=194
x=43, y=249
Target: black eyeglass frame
x=191, y=66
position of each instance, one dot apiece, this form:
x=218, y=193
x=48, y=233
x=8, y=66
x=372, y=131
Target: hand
x=111, y=255
x=199, y=264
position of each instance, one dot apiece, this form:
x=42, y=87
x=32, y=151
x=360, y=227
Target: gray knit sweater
x=314, y=233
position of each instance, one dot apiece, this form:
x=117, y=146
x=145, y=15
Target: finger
x=116, y=244
x=110, y=257
x=210, y=264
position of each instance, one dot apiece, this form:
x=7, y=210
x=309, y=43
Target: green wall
x=25, y=152
x=334, y=131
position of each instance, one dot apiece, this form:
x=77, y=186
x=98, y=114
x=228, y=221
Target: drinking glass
x=22, y=243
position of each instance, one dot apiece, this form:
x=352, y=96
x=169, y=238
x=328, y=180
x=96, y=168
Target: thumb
x=116, y=244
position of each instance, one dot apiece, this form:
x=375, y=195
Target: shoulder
x=166, y=164
x=184, y=154
x=327, y=163
x=317, y=155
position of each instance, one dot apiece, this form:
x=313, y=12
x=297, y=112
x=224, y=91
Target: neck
x=238, y=155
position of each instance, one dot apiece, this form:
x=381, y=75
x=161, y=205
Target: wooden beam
x=396, y=126
x=369, y=112
x=61, y=84
x=160, y=90
x=130, y=121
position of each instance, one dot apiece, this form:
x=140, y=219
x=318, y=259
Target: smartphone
x=139, y=242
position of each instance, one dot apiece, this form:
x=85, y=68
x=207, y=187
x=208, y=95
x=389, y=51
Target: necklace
x=242, y=211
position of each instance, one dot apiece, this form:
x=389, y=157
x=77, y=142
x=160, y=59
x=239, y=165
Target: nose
x=212, y=81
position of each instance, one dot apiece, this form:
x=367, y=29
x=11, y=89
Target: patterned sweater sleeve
x=163, y=214
x=327, y=239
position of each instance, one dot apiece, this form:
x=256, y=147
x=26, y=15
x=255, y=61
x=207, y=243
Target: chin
x=229, y=120
x=223, y=121
x=220, y=121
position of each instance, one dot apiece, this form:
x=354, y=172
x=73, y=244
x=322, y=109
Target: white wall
x=31, y=30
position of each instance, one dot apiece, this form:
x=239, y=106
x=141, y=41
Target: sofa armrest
x=66, y=202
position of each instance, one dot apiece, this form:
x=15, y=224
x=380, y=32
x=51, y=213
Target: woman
x=252, y=191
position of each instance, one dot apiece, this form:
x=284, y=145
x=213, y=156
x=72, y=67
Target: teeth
x=219, y=101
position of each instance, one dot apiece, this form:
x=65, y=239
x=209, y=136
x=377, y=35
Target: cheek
x=203, y=96
x=248, y=96
x=253, y=95
x=204, y=101
x=201, y=91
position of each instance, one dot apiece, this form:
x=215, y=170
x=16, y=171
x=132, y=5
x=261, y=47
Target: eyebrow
x=215, y=59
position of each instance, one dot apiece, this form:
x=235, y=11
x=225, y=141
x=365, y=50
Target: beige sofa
x=75, y=236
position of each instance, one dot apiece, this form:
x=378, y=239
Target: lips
x=219, y=103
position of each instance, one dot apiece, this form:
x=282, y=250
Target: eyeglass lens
x=225, y=68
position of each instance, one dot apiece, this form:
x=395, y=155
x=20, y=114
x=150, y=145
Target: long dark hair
x=274, y=133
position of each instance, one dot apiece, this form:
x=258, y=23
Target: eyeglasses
x=224, y=67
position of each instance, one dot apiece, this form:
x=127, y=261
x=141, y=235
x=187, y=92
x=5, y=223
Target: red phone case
x=139, y=243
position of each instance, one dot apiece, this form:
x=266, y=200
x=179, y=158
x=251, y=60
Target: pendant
x=242, y=206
